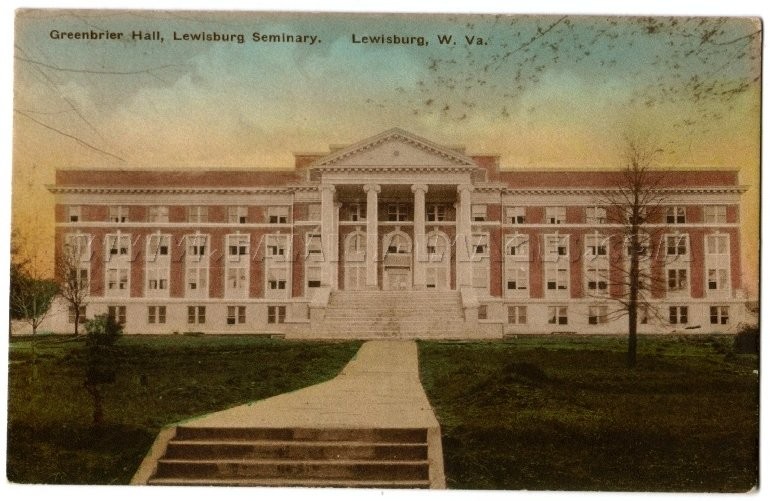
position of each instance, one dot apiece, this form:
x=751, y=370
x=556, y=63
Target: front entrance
x=397, y=279
x=397, y=261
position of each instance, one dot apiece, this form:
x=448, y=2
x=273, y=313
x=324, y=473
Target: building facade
x=393, y=220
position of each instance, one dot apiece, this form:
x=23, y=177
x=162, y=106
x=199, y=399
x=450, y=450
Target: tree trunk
x=77, y=319
x=96, y=399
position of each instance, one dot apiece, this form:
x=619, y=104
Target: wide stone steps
x=388, y=314
x=383, y=458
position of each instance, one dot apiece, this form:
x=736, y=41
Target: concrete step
x=292, y=469
x=230, y=450
x=372, y=435
x=294, y=482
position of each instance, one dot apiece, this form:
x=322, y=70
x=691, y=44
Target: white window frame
x=558, y=315
x=237, y=214
x=515, y=215
x=715, y=214
x=596, y=215
x=397, y=211
x=436, y=212
x=517, y=314
x=598, y=314
x=196, y=315
x=676, y=214
x=118, y=214
x=157, y=214
x=276, y=314
x=678, y=315
x=198, y=214
x=156, y=314
x=117, y=312
x=556, y=215
x=719, y=314
x=74, y=214
x=236, y=315
x=478, y=213
x=278, y=214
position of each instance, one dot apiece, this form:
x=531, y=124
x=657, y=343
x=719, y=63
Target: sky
x=540, y=91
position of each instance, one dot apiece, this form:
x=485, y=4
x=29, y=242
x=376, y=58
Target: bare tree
x=638, y=200
x=72, y=277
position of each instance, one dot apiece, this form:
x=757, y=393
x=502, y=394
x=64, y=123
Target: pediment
x=394, y=148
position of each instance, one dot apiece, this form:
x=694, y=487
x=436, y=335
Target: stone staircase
x=292, y=457
x=393, y=314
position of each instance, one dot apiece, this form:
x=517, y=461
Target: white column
x=463, y=237
x=418, y=250
x=328, y=234
x=371, y=235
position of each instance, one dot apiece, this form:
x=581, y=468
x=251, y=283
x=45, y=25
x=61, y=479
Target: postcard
x=410, y=251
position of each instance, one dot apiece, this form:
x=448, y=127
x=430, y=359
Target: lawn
x=160, y=380
x=547, y=413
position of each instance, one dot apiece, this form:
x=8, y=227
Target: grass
x=548, y=413
x=160, y=380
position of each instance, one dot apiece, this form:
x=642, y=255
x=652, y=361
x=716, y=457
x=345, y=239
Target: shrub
x=103, y=330
x=747, y=340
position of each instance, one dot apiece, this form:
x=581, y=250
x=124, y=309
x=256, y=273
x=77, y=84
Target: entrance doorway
x=397, y=261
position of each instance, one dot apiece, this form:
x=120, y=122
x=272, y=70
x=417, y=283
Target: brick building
x=394, y=235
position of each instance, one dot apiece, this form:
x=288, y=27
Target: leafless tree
x=72, y=278
x=638, y=201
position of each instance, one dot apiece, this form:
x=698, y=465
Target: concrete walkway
x=379, y=388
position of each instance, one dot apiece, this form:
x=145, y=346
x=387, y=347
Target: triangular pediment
x=394, y=148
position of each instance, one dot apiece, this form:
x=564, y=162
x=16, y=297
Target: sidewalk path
x=379, y=388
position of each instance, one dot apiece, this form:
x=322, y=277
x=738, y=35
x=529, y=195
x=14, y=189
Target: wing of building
x=394, y=236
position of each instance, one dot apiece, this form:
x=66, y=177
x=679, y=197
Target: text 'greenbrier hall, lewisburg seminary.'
x=394, y=236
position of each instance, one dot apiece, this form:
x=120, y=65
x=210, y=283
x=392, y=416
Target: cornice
x=147, y=190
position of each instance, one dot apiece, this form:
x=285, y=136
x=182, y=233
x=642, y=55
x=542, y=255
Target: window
x=77, y=246
x=557, y=315
x=157, y=214
x=717, y=279
x=118, y=313
x=73, y=213
x=556, y=246
x=556, y=278
x=515, y=215
x=677, y=315
x=478, y=213
x=355, y=212
x=276, y=245
x=397, y=212
x=517, y=315
x=717, y=245
x=480, y=244
x=643, y=245
x=720, y=315
x=517, y=278
x=482, y=312
x=715, y=214
x=676, y=245
x=276, y=284
x=641, y=214
x=118, y=214
x=198, y=214
x=236, y=315
x=118, y=245
x=236, y=215
x=313, y=276
x=157, y=279
x=436, y=212
x=236, y=279
x=79, y=278
x=278, y=215
x=71, y=314
x=643, y=315
x=196, y=246
x=517, y=245
x=156, y=314
x=596, y=215
x=117, y=279
x=675, y=215
x=596, y=279
x=276, y=314
x=196, y=314
x=596, y=245
x=555, y=215
x=597, y=315
x=158, y=245
x=313, y=244
x=197, y=278
x=677, y=279
x=237, y=246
